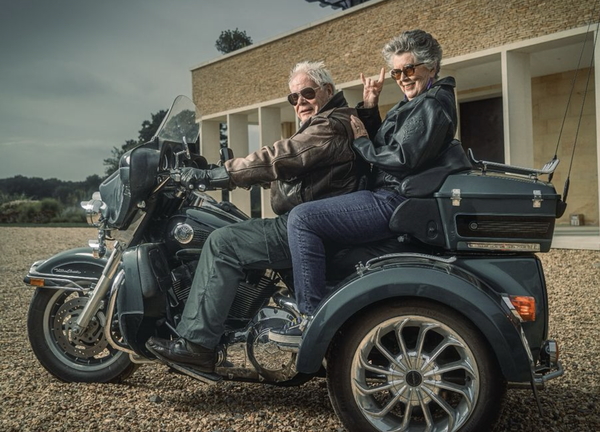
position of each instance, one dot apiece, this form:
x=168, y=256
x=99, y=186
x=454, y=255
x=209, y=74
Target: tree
x=338, y=4
x=149, y=127
x=145, y=134
x=231, y=40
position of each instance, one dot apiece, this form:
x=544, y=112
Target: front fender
x=447, y=285
x=66, y=270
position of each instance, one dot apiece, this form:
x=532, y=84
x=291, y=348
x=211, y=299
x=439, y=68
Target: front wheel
x=69, y=357
x=415, y=366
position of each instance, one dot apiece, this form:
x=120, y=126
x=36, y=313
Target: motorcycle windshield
x=135, y=179
x=180, y=124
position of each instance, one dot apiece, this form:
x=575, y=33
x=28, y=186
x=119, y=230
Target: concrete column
x=209, y=141
x=517, y=109
x=237, y=128
x=353, y=96
x=209, y=146
x=269, y=124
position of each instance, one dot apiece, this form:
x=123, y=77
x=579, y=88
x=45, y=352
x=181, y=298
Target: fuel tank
x=189, y=229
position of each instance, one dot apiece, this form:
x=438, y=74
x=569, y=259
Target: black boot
x=184, y=352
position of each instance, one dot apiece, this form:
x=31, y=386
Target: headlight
x=94, y=209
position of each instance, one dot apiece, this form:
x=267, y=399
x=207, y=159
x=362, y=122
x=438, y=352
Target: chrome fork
x=102, y=287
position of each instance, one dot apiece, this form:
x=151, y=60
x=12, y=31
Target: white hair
x=315, y=70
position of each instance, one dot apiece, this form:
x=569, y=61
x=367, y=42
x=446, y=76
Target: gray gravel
x=154, y=399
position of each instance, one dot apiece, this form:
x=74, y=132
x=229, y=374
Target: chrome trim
x=539, y=379
x=512, y=247
x=69, y=284
x=360, y=268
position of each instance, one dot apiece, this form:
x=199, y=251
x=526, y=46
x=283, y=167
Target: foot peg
x=205, y=377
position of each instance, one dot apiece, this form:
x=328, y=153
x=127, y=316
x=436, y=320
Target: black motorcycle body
x=423, y=332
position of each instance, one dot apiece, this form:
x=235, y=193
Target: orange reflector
x=36, y=282
x=525, y=307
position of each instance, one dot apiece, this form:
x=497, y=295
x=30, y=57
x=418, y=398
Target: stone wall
x=351, y=43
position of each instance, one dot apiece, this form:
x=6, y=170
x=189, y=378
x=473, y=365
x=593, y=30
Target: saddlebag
x=142, y=300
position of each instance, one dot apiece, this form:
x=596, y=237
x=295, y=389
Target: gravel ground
x=154, y=399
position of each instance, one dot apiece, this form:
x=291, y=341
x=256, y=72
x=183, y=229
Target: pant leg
x=355, y=218
x=227, y=252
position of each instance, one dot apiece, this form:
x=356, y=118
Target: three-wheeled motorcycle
x=423, y=332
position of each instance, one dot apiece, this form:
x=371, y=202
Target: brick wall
x=352, y=43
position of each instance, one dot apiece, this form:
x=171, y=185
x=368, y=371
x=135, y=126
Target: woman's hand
x=358, y=127
x=371, y=89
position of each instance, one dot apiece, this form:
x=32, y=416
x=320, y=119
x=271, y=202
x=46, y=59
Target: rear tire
x=415, y=366
x=71, y=358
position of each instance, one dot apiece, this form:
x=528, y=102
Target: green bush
x=28, y=211
x=70, y=215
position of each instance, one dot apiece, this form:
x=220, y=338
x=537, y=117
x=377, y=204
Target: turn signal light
x=524, y=306
x=36, y=282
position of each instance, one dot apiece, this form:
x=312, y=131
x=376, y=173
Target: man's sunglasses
x=408, y=70
x=307, y=93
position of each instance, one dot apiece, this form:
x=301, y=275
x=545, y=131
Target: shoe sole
x=205, y=377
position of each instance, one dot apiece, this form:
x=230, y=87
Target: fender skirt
x=470, y=297
x=66, y=270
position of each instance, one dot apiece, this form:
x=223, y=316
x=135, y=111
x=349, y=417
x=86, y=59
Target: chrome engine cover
x=250, y=355
x=271, y=362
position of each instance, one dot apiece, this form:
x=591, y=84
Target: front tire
x=70, y=358
x=415, y=366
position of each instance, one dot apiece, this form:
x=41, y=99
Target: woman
x=417, y=136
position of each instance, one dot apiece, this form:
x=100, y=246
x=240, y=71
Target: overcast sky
x=78, y=77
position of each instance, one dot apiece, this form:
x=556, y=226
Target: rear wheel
x=86, y=357
x=414, y=367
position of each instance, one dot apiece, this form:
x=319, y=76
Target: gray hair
x=315, y=70
x=420, y=44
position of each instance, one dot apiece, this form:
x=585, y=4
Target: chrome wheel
x=88, y=350
x=414, y=373
x=71, y=357
x=412, y=365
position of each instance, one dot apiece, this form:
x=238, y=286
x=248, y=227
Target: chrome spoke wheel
x=71, y=356
x=414, y=373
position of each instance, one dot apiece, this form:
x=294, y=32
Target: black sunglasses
x=307, y=93
x=408, y=70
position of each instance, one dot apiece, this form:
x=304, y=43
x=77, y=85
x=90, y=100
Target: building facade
x=525, y=73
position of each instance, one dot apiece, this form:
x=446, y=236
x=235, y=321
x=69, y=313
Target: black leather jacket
x=413, y=150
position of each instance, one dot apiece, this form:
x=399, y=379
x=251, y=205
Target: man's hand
x=191, y=178
x=215, y=177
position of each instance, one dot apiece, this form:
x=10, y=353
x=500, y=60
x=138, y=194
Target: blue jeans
x=355, y=218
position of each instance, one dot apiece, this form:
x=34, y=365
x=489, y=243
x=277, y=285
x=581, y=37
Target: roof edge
x=335, y=16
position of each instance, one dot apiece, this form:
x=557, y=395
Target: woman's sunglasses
x=307, y=93
x=408, y=70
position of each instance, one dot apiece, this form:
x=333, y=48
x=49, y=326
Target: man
x=316, y=162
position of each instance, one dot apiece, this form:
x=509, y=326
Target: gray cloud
x=79, y=77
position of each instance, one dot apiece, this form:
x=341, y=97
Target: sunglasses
x=307, y=93
x=408, y=70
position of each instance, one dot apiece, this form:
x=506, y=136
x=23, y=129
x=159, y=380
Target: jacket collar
x=337, y=101
x=446, y=81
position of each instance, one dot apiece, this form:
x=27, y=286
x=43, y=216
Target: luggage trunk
x=495, y=211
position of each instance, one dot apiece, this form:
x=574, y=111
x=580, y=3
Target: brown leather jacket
x=316, y=162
